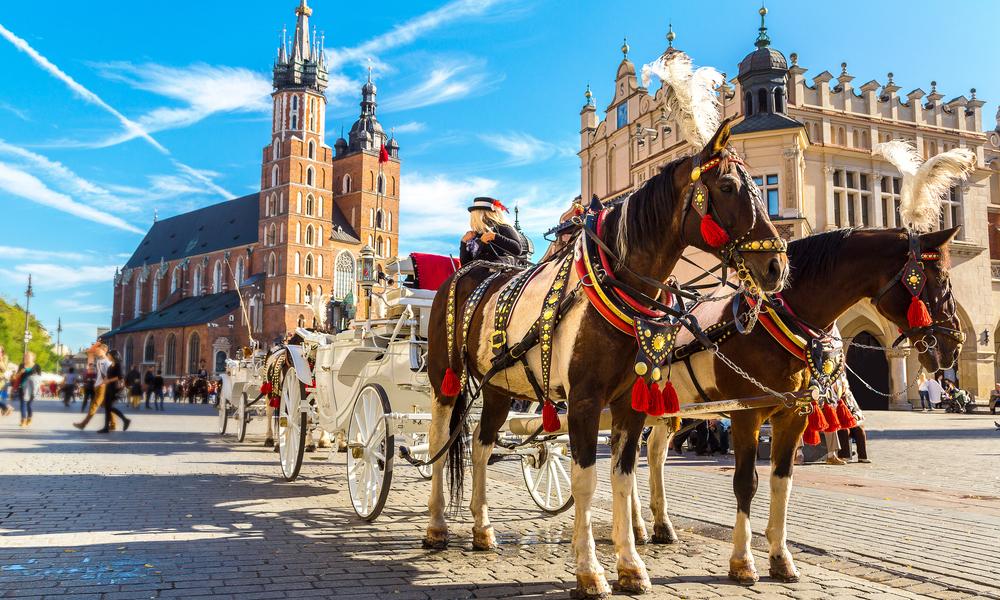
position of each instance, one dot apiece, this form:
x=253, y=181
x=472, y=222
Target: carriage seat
x=430, y=270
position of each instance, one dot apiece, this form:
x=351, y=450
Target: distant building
x=809, y=146
x=175, y=301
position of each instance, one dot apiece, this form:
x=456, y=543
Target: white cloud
x=433, y=210
x=16, y=253
x=446, y=81
x=411, y=127
x=23, y=184
x=203, y=90
x=76, y=307
x=408, y=32
x=523, y=148
x=87, y=95
x=48, y=276
x=206, y=177
x=17, y=112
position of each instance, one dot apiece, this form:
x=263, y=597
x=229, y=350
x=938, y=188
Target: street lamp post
x=366, y=267
x=28, y=293
x=59, y=339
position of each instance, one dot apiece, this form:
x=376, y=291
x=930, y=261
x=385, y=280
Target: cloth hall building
x=176, y=304
x=808, y=140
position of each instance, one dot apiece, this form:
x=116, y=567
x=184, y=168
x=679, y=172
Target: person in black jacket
x=147, y=385
x=114, y=383
x=490, y=236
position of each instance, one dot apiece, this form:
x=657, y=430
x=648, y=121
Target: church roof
x=342, y=230
x=765, y=122
x=216, y=227
x=193, y=310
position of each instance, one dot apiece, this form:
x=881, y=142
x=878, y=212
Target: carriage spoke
x=555, y=480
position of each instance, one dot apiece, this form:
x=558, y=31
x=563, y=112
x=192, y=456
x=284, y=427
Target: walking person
x=28, y=374
x=69, y=387
x=925, y=397
x=99, y=352
x=5, y=374
x=89, y=379
x=112, y=385
x=158, y=390
x=133, y=385
x=147, y=384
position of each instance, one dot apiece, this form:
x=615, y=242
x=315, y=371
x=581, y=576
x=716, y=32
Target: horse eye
x=727, y=188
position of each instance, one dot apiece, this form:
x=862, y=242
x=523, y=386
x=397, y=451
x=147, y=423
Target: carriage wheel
x=223, y=415
x=547, y=476
x=426, y=471
x=291, y=425
x=370, y=452
x=241, y=418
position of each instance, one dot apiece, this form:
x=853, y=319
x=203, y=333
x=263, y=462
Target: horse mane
x=640, y=221
x=815, y=256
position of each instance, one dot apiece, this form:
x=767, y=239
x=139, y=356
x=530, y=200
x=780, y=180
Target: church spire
x=300, y=44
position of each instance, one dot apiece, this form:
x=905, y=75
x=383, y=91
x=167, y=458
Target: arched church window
x=309, y=294
x=343, y=276
x=309, y=265
x=379, y=219
x=381, y=184
x=217, y=277
x=346, y=188
x=762, y=102
x=274, y=176
x=275, y=150
x=312, y=149
x=779, y=100
x=310, y=202
x=309, y=176
x=270, y=265
x=309, y=235
x=748, y=102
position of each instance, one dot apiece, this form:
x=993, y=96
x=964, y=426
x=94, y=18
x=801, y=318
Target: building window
x=622, y=112
x=779, y=100
x=196, y=284
x=240, y=272
x=378, y=219
x=149, y=350
x=170, y=355
x=270, y=265
x=220, y=361
x=346, y=188
x=274, y=176
x=310, y=201
x=175, y=280
x=381, y=184
x=301, y=321
x=309, y=294
x=951, y=210
x=890, y=201
x=748, y=104
x=309, y=265
x=275, y=150
x=852, y=199
x=768, y=185
x=763, y=105
x=312, y=149
x=343, y=276
x=309, y=234
x=217, y=278
x=378, y=248
x=154, y=301
x=194, y=353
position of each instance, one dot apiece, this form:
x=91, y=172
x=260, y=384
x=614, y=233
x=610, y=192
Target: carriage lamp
x=984, y=337
x=366, y=267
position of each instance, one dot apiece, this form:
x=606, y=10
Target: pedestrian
x=112, y=383
x=158, y=389
x=856, y=433
x=98, y=354
x=69, y=386
x=28, y=374
x=925, y=397
x=147, y=383
x=133, y=385
x=5, y=374
x=935, y=391
x=89, y=379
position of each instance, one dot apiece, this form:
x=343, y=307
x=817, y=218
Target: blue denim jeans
x=27, y=394
x=925, y=398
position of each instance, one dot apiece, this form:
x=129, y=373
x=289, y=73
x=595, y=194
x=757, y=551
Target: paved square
x=171, y=510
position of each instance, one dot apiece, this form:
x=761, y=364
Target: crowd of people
x=943, y=393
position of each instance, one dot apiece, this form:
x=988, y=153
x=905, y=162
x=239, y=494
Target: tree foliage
x=12, y=336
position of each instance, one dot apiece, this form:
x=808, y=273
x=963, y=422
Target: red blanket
x=431, y=270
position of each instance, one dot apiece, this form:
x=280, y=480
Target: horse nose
x=774, y=269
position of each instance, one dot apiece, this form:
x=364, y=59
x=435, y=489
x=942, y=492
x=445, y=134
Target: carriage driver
x=491, y=237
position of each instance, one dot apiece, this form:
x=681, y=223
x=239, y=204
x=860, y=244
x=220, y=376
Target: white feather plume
x=318, y=305
x=690, y=95
x=925, y=185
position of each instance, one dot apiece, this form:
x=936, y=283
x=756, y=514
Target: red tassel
x=714, y=235
x=550, y=419
x=811, y=437
x=640, y=395
x=845, y=417
x=670, y=400
x=450, y=386
x=816, y=421
x=917, y=314
x=266, y=388
x=274, y=402
x=656, y=406
x=830, y=415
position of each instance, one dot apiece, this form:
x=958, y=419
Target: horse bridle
x=699, y=198
x=913, y=277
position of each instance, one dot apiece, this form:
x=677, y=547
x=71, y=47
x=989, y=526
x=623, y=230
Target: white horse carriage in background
x=240, y=396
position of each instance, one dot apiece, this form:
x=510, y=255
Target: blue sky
x=107, y=115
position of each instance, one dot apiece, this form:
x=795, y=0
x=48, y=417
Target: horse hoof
x=436, y=539
x=310, y=448
x=743, y=572
x=633, y=581
x=664, y=534
x=269, y=442
x=484, y=539
x=641, y=537
x=783, y=570
x=590, y=586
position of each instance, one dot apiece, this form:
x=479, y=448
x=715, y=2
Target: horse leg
x=786, y=431
x=584, y=420
x=656, y=454
x=495, y=410
x=639, y=531
x=269, y=417
x=632, y=575
x=745, y=430
x=437, y=528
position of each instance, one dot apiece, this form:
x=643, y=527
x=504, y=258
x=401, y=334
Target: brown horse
x=830, y=272
x=591, y=363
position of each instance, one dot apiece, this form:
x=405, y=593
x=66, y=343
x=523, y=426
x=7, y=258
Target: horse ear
x=938, y=239
x=720, y=140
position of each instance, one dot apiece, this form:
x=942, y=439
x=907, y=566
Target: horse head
x=725, y=215
x=919, y=300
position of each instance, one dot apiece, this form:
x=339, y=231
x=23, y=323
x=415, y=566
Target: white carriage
x=239, y=396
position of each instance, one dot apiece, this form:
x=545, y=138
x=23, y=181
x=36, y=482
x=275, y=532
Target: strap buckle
x=499, y=339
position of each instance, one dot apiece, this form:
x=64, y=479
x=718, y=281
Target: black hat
x=487, y=203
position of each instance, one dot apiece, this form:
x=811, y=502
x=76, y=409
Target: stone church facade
x=202, y=283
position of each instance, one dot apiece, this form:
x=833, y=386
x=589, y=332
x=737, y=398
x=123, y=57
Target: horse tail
x=457, y=451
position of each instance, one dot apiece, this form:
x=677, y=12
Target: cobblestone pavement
x=170, y=510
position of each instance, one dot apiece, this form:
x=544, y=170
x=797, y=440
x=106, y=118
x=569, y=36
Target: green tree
x=12, y=336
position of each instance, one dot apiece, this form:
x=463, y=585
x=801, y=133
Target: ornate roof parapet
x=934, y=97
x=144, y=273
x=844, y=80
x=118, y=276
x=161, y=272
